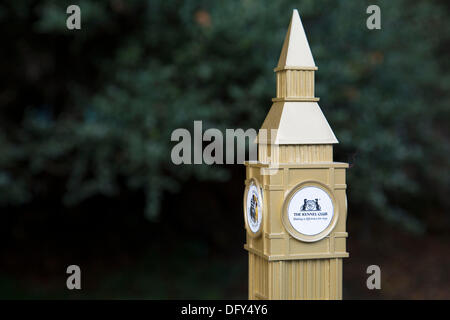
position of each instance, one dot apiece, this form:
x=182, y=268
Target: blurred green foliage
x=90, y=112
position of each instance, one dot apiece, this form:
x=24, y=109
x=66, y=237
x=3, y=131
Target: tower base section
x=310, y=279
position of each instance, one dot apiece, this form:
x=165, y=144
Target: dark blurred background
x=86, y=118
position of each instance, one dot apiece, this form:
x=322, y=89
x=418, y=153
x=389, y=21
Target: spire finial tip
x=296, y=51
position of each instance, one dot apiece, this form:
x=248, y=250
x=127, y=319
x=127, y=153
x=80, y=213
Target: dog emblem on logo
x=254, y=208
x=310, y=205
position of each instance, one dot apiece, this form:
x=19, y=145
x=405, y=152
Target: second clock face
x=310, y=210
x=253, y=207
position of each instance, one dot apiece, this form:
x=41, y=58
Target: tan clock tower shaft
x=296, y=190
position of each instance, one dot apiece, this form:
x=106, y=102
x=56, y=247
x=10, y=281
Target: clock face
x=253, y=207
x=310, y=210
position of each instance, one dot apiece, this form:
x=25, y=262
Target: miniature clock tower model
x=295, y=205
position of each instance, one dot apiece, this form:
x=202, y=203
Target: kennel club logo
x=253, y=207
x=310, y=210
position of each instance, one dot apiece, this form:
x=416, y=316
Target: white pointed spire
x=295, y=113
x=296, y=51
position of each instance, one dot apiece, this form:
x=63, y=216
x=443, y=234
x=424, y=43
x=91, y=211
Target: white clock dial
x=253, y=207
x=310, y=210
